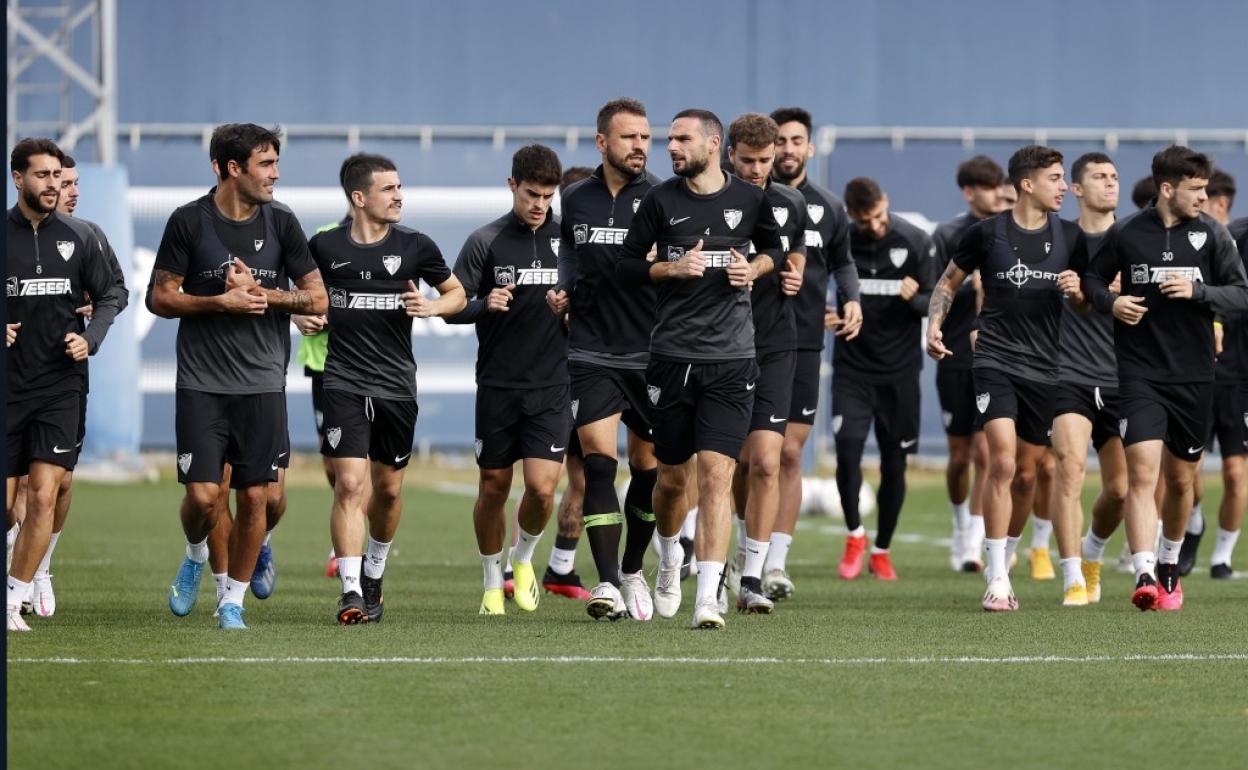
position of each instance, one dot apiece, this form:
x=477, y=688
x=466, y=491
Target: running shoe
x=1041, y=564
x=185, y=588
x=880, y=565
x=527, y=596
x=636, y=593
x=230, y=617
x=350, y=609
x=605, y=601
x=373, y=600
x=265, y=574
x=851, y=560
x=568, y=585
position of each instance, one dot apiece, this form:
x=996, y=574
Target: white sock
x=46, y=563
x=741, y=536
x=1224, y=547
x=690, y=527
x=1157, y=539
x=197, y=552
x=17, y=592
x=523, y=552
x=709, y=573
x=876, y=549
x=1145, y=563
x=268, y=534
x=220, y=579
x=1169, y=551
x=997, y=560
x=562, y=560
x=755, y=555
x=670, y=552
x=961, y=515
x=1072, y=573
x=778, y=551
x=1093, y=547
x=1041, y=529
x=375, y=560
x=1011, y=548
x=1196, y=522
x=11, y=536
x=977, y=529
x=349, y=574
x=510, y=550
x=235, y=590
x=492, y=567
x=860, y=531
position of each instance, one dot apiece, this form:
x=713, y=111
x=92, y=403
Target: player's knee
x=600, y=494
x=764, y=468
x=1115, y=488
x=1002, y=467
x=1024, y=479
x=349, y=486
x=253, y=498
x=1233, y=474
x=202, y=497
x=1070, y=473
x=67, y=484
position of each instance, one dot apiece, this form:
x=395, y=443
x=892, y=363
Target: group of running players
x=693, y=310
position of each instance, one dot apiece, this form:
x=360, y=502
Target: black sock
x=849, y=479
x=891, y=497
x=639, y=513
x=603, y=521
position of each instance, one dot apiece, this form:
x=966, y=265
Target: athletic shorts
x=1178, y=414
x=601, y=391
x=1098, y=405
x=515, y=424
x=804, y=400
x=774, y=392
x=700, y=407
x=318, y=399
x=1230, y=419
x=1027, y=402
x=378, y=429
x=45, y=429
x=893, y=406
x=955, y=388
x=247, y=431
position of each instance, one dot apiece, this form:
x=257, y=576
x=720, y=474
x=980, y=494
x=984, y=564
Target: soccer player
x=980, y=179
x=827, y=254
x=1178, y=267
x=523, y=407
x=52, y=260
x=1144, y=192
x=233, y=348
x=371, y=269
x=1024, y=260
x=875, y=377
x=607, y=357
x=1086, y=405
x=756, y=482
x=702, y=371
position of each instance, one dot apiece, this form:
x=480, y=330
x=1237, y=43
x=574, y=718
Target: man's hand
x=1129, y=309
x=831, y=318
x=1115, y=285
x=416, y=304
x=245, y=300
x=1069, y=284
x=557, y=301
x=238, y=274
x=498, y=299
x=936, y=344
x=1178, y=288
x=691, y=265
x=86, y=311
x=851, y=323
x=309, y=324
x=76, y=347
x=909, y=287
x=740, y=271
x=10, y=334
x=791, y=280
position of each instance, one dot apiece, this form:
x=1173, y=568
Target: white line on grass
x=915, y=661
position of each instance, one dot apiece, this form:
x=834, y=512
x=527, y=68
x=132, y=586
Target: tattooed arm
x=307, y=298
x=938, y=308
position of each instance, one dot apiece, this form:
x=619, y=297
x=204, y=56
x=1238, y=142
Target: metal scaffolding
x=62, y=77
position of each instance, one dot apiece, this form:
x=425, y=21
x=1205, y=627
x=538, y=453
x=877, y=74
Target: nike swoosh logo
x=675, y=221
x=404, y=457
x=750, y=386
x=1194, y=450
x=910, y=443
x=807, y=412
x=774, y=418
x=336, y=265
x=60, y=451
x=557, y=449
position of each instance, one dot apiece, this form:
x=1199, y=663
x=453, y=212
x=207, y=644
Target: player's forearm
x=846, y=277
x=939, y=304
x=103, y=314
x=1222, y=300
x=176, y=304
x=921, y=302
x=474, y=310
x=762, y=264
x=310, y=300
x=1097, y=294
x=450, y=303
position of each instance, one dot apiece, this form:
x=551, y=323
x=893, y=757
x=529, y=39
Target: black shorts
x=804, y=400
x=515, y=424
x=893, y=406
x=774, y=392
x=1230, y=419
x=247, y=431
x=45, y=429
x=1178, y=414
x=1027, y=402
x=318, y=399
x=700, y=407
x=601, y=391
x=955, y=389
x=1098, y=405
x=378, y=429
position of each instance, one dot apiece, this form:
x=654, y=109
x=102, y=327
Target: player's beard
x=34, y=202
x=692, y=168
x=777, y=171
x=621, y=165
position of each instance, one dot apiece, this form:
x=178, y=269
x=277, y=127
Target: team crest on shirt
x=505, y=276
x=655, y=391
x=580, y=234
x=837, y=421
x=815, y=212
x=576, y=407
x=337, y=297
x=391, y=263
x=781, y=214
x=184, y=461
x=554, y=246
x=732, y=217
x=333, y=436
x=675, y=252
x=477, y=444
x=1122, y=428
x=1047, y=246
x=898, y=256
x=1197, y=239
x=981, y=402
x=636, y=204
x=65, y=249
x=259, y=243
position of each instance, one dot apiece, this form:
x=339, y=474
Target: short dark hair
x=1176, y=163
x=980, y=171
x=236, y=141
x=1081, y=163
x=862, y=194
x=574, y=174
x=1028, y=160
x=1144, y=192
x=753, y=129
x=790, y=114
x=23, y=151
x=711, y=124
x=1221, y=185
x=357, y=171
x=536, y=163
x=615, y=107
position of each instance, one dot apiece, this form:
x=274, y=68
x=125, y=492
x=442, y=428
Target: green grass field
x=863, y=674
